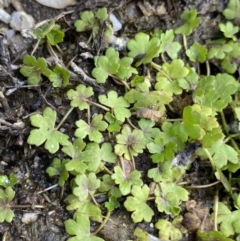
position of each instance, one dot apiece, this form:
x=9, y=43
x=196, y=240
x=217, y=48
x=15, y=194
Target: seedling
x=6, y=197
x=130, y=143
x=80, y=229
x=6, y=181
x=92, y=130
x=172, y=113
x=197, y=53
x=232, y=10
x=46, y=131
x=191, y=21
x=111, y=65
x=126, y=179
x=33, y=69
x=167, y=231
x=57, y=168
x=137, y=204
x=229, y=30
x=91, y=21
x=168, y=45
x=59, y=77
x=117, y=104
x=145, y=47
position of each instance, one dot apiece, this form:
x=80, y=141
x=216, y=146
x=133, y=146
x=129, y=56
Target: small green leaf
x=108, y=185
x=169, y=196
x=107, y=154
x=33, y=69
x=229, y=30
x=129, y=142
x=158, y=99
x=228, y=220
x=80, y=97
x=197, y=53
x=83, y=159
x=141, y=235
x=86, y=185
x=118, y=105
x=6, y=196
x=59, y=77
x=114, y=124
x=42, y=31
x=80, y=229
x=168, y=46
x=56, y=35
x=141, y=45
x=148, y=131
x=126, y=180
x=102, y=14
x=87, y=22
x=216, y=92
x=91, y=130
x=57, y=168
x=168, y=77
x=111, y=64
x=6, y=181
x=137, y=204
x=167, y=231
x=212, y=235
x=46, y=131
x=222, y=154
x=86, y=209
x=233, y=9
x=219, y=49
x=191, y=21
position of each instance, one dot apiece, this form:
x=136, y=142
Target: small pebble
x=21, y=20
x=29, y=218
x=4, y=16
x=115, y=22
x=58, y=4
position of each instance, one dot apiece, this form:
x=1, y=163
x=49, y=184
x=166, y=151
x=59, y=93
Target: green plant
x=6, y=196
x=33, y=69
x=111, y=65
x=164, y=116
x=91, y=21
x=46, y=131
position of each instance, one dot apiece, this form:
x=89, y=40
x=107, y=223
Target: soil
x=18, y=101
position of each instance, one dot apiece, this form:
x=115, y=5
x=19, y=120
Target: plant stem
x=235, y=146
x=49, y=188
x=173, y=120
x=163, y=58
x=98, y=105
x=59, y=50
x=88, y=115
x=132, y=158
x=36, y=46
x=93, y=199
x=203, y=186
x=215, y=208
x=236, y=135
x=159, y=69
x=156, y=66
x=64, y=118
x=102, y=224
x=107, y=170
x=210, y=158
x=185, y=42
x=208, y=68
x=225, y=126
x=52, y=52
x=27, y=206
x=131, y=124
